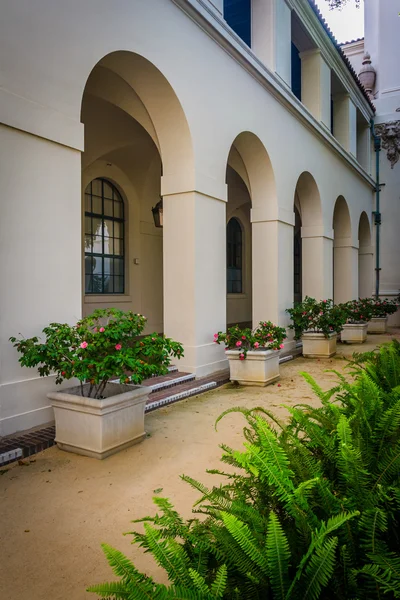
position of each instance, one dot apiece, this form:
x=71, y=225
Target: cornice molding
x=216, y=27
x=330, y=53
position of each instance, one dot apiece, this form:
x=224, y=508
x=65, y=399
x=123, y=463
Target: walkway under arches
x=365, y=258
x=137, y=139
x=313, y=249
x=271, y=238
x=345, y=254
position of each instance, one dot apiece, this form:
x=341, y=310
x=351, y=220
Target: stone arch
x=135, y=126
x=249, y=160
x=365, y=257
x=136, y=86
x=345, y=254
x=308, y=237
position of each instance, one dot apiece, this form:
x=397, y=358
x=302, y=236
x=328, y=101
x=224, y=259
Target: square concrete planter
x=99, y=428
x=260, y=367
x=316, y=345
x=354, y=333
x=377, y=325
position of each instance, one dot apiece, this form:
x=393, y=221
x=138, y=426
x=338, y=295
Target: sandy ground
x=56, y=510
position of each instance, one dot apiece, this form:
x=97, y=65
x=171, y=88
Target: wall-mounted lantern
x=157, y=211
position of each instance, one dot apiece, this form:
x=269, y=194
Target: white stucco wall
x=195, y=99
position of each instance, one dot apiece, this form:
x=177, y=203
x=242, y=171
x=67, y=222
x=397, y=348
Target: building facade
x=244, y=117
x=375, y=59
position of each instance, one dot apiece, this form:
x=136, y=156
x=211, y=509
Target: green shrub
x=358, y=311
x=308, y=510
x=381, y=307
x=99, y=347
x=266, y=336
x=320, y=317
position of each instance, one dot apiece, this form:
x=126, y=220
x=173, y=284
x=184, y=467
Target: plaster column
x=365, y=271
x=345, y=270
x=316, y=85
x=40, y=262
x=317, y=256
x=272, y=268
x=364, y=147
x=345, y=122
x=194, y=249
x=271, y=35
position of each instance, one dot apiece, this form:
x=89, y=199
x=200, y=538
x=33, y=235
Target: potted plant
x=358, y=313
x=253, y=354
x=317, y=324
x=380, y=311
x=103, y=412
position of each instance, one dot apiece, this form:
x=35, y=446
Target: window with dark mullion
x=237, y=13
x=104, y=239
x=234, y=257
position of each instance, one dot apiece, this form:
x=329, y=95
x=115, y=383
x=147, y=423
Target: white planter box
x=377, y=325
x=354, y=333
x=260, y=367
x=99, y=428
x=316, y=345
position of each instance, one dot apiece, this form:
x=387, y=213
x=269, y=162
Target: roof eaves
x=340, y=51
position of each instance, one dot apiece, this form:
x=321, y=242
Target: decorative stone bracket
x=390, y=135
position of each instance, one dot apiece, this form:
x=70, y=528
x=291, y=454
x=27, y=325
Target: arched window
x=234, y=257
x=104, y=239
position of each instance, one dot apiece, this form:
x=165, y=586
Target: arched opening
x=309, y=245
x=251, y=201
x=345, y=255
x=135, y=133
x=365, y=258
x=297, y=258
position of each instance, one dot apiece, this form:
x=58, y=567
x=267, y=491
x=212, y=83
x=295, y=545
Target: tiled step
x=185, y=390
x=179, y=386
x=166, y=381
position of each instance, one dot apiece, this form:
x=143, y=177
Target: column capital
x=172, y=184
x=315, y=231
x=272, y=213
x=346, y=242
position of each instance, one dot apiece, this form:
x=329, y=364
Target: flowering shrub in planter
x=380, y=308
x=100, y=347
x=357, y=311
x=317, y=317
x=266, y=336
x=259, y=347
x=99, y=416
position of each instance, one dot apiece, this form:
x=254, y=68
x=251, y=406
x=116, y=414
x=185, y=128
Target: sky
x=346, y=24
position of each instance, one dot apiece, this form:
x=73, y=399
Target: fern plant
x=308, y=509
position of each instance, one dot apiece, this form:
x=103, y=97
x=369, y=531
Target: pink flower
x=84, y=345
x=325, y=301
x=215, y=336
x=281, y=346
x=118, y=346
x=256, y=345
x=238, y=343
x=243, y=337
x=95, y=330
x=101, y=329
x=241, y=356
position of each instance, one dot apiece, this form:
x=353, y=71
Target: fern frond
x=278, y=556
